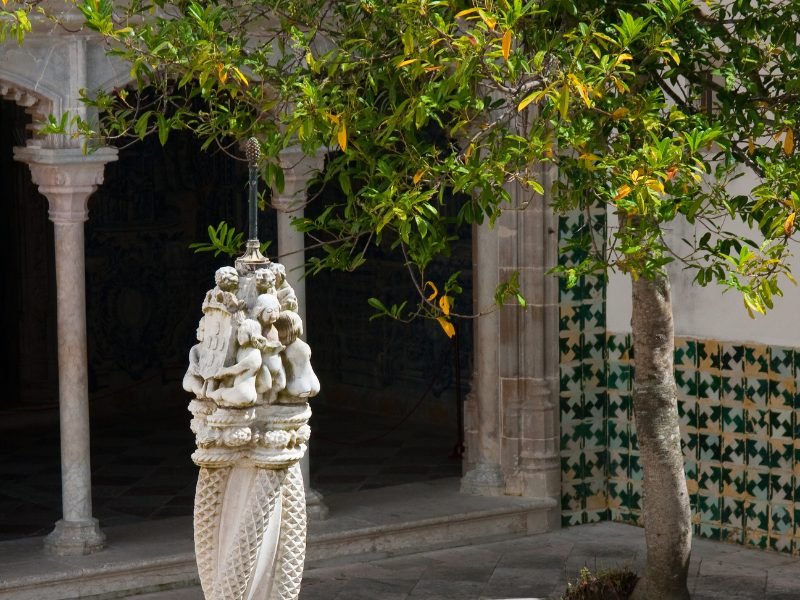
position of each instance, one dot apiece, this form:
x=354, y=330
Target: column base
x=315, y=506
x=75, y=538
x=484, y=479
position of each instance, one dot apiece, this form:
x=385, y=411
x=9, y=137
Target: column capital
x=298, y=169
x=66, y=177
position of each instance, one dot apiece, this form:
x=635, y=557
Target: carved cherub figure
x=235, y=386
x=267, y=310
x=224, y=293
x=285, y=292
x=265, y=281
x=192, y=380
x=301, y=381
x=271, y=377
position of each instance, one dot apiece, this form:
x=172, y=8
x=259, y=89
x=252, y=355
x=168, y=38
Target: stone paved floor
x=141, y=468
x=538, y=567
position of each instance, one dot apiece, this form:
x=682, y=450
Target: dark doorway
x=29, y=373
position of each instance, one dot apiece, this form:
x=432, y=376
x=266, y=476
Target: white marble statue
x=252, y=378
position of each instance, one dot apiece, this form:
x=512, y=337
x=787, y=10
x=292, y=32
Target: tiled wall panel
x=740, y=435
x=737, y=408
x=584, y=402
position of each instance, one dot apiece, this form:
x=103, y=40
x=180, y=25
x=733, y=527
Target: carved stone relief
x=35, y=105
x=251, y=377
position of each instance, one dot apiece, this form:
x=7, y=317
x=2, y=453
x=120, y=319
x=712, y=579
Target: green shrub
x=616, y=584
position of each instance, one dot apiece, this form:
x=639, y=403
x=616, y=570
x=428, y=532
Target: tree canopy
x=651, y=108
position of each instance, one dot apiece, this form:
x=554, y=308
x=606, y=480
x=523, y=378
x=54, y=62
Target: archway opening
x=388, y=412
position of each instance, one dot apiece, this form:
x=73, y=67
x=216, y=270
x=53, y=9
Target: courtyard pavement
x=538, y=567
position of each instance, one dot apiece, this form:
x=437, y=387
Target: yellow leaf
x=534, y=97
x=447, y=326
x=444, y=304
x=241, y=76
x=435, y=290
x=656, y=185
x=418, y=176
x=488, y=19
x=333, y=118
x=406, y=62
x=5, y=2
x=469, y=151
x=507, y=44
x=589, y=156
x=751, y=146
x=622, y=192
x=788, y=226
x=788, y=142
x=635, y=175
x=222, y=73
x=606, y=38
x=581, y=89
x=466, y=12
x=753, y=304
x=619, y=113
x=342, y=137
x=622, y=58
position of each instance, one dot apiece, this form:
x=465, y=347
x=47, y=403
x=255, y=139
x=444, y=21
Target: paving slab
x=363, y=526
x=522, y=567
x=537, y=567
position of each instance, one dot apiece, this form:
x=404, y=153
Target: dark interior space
x=27, y=299
x=379, y=365
x=386, y=414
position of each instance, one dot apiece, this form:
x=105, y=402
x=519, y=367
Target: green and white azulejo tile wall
x=740, y=431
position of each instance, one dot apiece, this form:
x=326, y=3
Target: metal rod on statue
x=253, y=154
x=252, y=259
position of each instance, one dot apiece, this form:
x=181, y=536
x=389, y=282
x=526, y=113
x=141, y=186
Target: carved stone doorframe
x=511, y=414
x=67, y=177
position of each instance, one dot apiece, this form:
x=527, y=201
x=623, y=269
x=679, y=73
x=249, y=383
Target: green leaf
x=163, y=129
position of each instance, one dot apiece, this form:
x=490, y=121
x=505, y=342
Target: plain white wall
x=709, y=313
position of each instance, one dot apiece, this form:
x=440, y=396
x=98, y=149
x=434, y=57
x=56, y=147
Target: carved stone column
x=298, y=169
x=512, y=413
x=528, y=348
x=67, y=177
x=483, y=475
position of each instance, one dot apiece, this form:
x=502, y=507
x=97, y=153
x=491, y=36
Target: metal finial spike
x=253, y=151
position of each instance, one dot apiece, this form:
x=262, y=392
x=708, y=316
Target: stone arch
x=31, y=97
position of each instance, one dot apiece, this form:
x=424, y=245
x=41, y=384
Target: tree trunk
x=666, y=510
